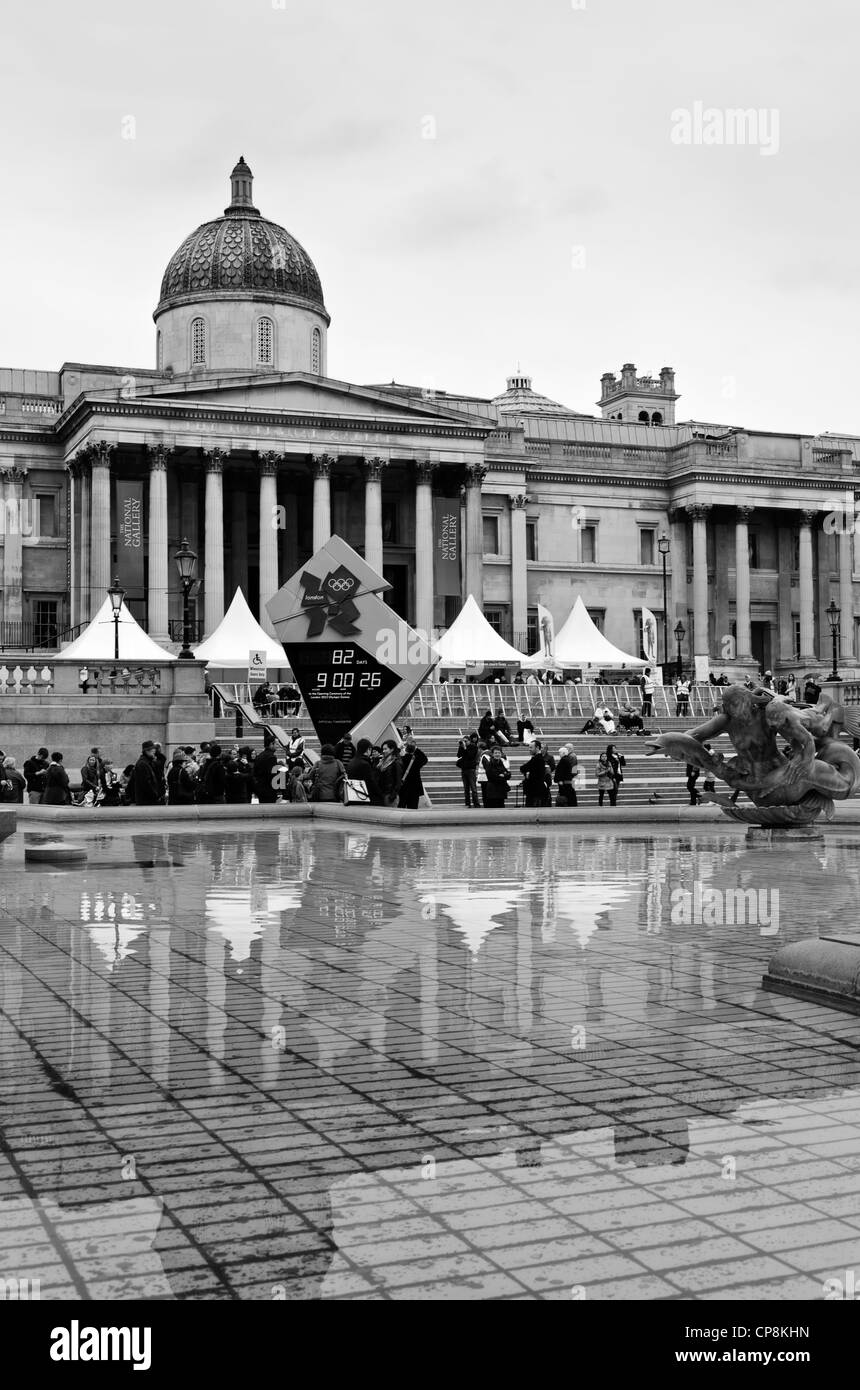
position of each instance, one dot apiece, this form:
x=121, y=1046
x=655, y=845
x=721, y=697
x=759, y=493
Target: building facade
x=239, y=441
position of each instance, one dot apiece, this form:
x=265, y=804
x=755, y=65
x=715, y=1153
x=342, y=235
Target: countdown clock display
x=339, y=683
x=356, y=662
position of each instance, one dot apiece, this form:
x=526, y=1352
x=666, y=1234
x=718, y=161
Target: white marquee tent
x=236, y=636
x=470, y=641
x=580, y=643
x=96, y=642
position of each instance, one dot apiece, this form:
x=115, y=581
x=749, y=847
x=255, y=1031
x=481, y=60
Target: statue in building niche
x=790, y=760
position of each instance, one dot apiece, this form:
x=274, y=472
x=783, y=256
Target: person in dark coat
x=57, y=790
x=502, y=727
x=212, y=783
x=35, y=773
x=692, y=779
x=91, y=776
x=565, y=773
x=327, y=777
x=468, y=756
x=412, y=787
x=181, y=789
x=147, y=783
x=536, y=778
x=497, y=785
x=265, y=765
x=240, y=776
x=12, y=784
x=344, y=750
x=109, y=794
x=487, y=728
x=361, y=769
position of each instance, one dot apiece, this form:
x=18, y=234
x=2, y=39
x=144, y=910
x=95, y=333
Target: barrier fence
x=450, y=701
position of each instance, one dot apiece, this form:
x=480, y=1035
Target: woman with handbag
x=328, y=776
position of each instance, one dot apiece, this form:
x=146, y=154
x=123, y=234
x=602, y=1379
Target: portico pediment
x=300, y=393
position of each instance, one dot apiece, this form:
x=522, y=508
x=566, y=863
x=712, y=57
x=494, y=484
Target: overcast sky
x=553, y=221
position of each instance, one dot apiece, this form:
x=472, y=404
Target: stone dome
x=241, y=254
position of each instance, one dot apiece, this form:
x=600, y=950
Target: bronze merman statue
x=790, y=785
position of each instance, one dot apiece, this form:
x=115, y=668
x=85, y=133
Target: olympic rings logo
x=340, y=586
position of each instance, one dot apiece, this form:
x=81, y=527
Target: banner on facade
x=446, y=546
x=649, y=636
x=129, y=515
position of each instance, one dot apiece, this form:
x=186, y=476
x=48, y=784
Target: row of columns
x=90, y=484
x=698, y=514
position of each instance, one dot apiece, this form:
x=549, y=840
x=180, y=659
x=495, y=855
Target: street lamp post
x=834, y=616
x=663, y=547
x=116, y=594
x=186, y=563
x=680, y=633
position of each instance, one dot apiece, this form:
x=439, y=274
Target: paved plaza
x=307, y=1062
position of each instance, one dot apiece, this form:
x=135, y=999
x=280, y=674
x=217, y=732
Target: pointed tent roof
x=96, y=642
x=580, y=643
x=471, y=641
x=237, y=634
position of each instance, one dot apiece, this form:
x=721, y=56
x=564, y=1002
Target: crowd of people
x=384, y=775
x=485, y=769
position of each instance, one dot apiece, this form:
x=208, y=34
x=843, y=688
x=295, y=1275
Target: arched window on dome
x=656, y=418
x=643, y=417
x=265, y=342
x=159, y=351
x=316, y=352
x=198, y=342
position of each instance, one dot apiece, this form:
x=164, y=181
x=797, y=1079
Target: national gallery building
x=240, y=441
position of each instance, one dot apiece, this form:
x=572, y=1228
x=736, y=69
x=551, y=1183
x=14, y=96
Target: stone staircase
x=644, y=776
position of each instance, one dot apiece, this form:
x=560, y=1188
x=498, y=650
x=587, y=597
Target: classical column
x=100, y=575
x=268, y=534
x=424, y=471
x=846, y=597
x=701, y=645
x=373, y=512
x=475, y=475
x=213, y=555
x=743, y=647
x=158, y=571
x=322, y=499
x=13, y=553
x=807, y=597
x=84, y=555
x=519, y=567
x=72, y=475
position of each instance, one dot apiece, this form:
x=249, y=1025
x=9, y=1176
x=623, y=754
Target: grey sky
x=551, y=222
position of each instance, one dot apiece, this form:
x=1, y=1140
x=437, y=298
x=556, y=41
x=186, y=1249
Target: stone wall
x=70, y=722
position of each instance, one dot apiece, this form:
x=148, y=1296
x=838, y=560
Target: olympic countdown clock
x=356, y=662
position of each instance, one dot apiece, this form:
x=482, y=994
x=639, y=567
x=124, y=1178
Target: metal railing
x=536, y=701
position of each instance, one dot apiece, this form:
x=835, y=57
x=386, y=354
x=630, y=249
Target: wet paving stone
x=263, y=1074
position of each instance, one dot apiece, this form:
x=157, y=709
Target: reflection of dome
x=241, y=251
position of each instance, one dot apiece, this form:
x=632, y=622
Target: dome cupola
x=241, y=293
